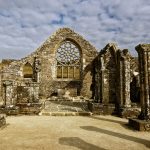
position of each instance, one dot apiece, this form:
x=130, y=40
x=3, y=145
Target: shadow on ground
x=119, y=135
x=122, y=123
x=109, y=120
x=5, y=126
x=78, y=143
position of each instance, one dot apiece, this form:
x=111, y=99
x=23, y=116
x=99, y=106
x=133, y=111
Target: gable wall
x=46, y=68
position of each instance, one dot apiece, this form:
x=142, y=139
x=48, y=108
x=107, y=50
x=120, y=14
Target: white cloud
x=26, y=24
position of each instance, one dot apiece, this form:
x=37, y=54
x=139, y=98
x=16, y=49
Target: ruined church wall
x=49, y=82
x=106, y=73
x=46, y=55
x=114, y=72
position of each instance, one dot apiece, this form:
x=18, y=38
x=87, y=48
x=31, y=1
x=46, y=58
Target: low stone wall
x=2, y=120
x=129, y=112
x=29, y=108
x=102, y=109
x=9, y=110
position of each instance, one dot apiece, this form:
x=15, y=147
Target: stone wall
x=105, y=74
x=44, y=83
x=114, y=70
x=110, y=77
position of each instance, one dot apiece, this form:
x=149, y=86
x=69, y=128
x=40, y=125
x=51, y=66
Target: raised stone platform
x=140, y=125
x=65, y=108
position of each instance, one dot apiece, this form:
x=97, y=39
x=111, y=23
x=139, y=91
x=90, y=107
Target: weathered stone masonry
x=142, y=122
x=44, y=82
x=144, y=68
x=109, y=77
x=113, y=74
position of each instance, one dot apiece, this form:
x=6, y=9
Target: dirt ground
x=71, y=133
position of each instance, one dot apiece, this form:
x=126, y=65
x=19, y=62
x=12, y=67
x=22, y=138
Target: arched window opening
x=68, y=61
x=27, y=71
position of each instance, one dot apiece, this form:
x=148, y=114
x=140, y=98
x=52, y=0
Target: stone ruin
x=142, y=123
x=62, y=64
x=67, y=67
x=116, y=82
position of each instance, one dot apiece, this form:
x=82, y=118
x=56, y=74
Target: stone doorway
x=135, y=90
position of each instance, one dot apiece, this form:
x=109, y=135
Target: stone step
x=65, y=114
x=66, y=106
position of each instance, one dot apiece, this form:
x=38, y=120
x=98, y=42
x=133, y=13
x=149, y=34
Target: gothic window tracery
x=68, y=61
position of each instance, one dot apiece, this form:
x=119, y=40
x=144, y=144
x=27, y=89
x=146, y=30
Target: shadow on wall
x=79, y=143
x=119, y=135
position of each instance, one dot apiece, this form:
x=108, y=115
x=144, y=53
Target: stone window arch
x=68, y=59
x=27, y=70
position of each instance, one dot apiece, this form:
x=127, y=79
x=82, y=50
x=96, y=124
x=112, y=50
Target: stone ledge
x=140, y=125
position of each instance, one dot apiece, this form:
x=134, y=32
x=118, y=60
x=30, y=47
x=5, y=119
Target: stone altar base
x=140, y=125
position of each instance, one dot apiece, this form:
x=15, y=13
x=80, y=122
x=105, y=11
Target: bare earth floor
x=71, y=133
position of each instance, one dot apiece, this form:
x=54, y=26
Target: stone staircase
x=65, y=107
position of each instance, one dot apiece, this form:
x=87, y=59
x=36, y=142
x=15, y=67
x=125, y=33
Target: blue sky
x=26, y=24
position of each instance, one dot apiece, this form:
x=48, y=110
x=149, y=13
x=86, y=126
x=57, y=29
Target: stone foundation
x=140, y=125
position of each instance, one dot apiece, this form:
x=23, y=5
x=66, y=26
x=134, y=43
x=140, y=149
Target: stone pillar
x=37, y=69
x=8, y=92
x=144, y=70
x=119, y=81
x=124, y=79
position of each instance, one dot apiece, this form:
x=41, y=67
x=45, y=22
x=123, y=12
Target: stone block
x=95, y=108
x=109, y=109
x=11, y=110
x=140, y=125
x=129, y=112
x=101, y=109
